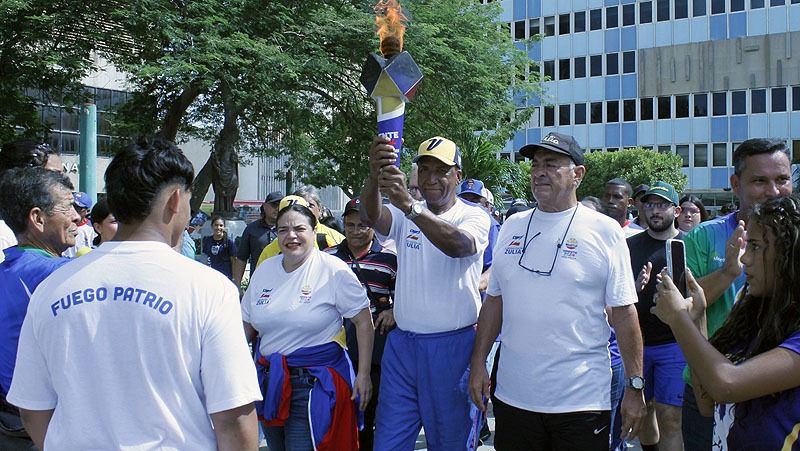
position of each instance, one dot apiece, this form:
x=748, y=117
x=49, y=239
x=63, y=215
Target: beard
x=661, y=224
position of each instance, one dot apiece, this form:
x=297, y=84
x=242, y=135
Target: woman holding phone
x=748, y=374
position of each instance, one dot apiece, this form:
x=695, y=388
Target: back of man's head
x=138, y=173
x=22, y=189
x=756, y=146
x=24, y=153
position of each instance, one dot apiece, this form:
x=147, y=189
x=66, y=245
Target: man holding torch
x=440, y=244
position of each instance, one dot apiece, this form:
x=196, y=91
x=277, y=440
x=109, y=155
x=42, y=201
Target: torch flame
x=391, y=25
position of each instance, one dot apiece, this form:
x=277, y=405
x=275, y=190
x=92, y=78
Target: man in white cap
x=440, y=245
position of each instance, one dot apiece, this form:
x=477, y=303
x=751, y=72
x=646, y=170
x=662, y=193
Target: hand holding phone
x=676, y=264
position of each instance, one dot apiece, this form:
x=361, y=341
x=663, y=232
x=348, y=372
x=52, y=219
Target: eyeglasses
x=413, y=189
x=690, y=210
x=558, y=246
x=356, y=227
x=663, y=206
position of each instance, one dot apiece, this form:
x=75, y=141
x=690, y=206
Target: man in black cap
x=376, y=268
x=255, y=237
x=555, y=271
x=638, y=195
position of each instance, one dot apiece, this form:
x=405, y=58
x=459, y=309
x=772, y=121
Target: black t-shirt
x=645, y=248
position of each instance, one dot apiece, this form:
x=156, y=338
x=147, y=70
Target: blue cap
x=473, y=186
x=82, y=199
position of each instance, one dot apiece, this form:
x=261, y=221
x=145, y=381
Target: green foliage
x=636, y=165
x=502, y=177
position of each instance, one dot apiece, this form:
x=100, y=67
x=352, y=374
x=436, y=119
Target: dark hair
x=621, y=182
x=756, y=146
x=99, y=214
x=22, y=189
x=25, y=153
x=697, y=203
x=728, y=208
x=218, y=217
x=139, y=172
x=594, y=201
x=756, y=325
x=303, y=210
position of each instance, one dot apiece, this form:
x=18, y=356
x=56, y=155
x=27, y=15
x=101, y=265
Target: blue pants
x=663, y=371
x=295, y=435
x=617, y=391
x=424, y=383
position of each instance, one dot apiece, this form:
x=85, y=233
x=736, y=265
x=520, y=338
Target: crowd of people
x=424, y=312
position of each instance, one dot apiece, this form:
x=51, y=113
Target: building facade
x=690, y=77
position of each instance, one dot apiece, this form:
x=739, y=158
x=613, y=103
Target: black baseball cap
x=273, y=197
x=559, y=143
x=640, y=189
x=352, y=205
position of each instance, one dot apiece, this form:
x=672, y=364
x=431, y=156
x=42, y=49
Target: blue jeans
x=617, y=390
x=295, y=435
x=697, y=429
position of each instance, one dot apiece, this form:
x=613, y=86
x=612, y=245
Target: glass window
x=550, y=69
x=698, y=8
x=70, y=143
x=612, y=111
x=70, y=120
x=777, y=2
x=534, y=27
x=612, y=17
x=717, y=6
x=778, y=100
x=629, y=110
x=103, y=99
x=612, y=63
x=700, y=105
x=683, y=151
x=628, y=62
x=681, y=10
x=700, y=155
x=563, y=69
x=563, y=114
x=662, y=10
x=646, y=109
x=580, y=67
x=549, y=116
x=563, y=24
x=596, y=65
x=596, y=19
x=580, y=113
x=719, y=101
x=796, y=97
x=597, y=112
x=682, y=106
x=664, y=107
x=118, y=97
x=758, y=101
x=103, y=123
x=645, y=12
x=580, y=21
x=519, y=30
x=549, y=26
x=737, y=5
x=628, y=15
x=756, y=4
x=665, y=149
x=51, y=118
x=720, y=155
x=738, y=102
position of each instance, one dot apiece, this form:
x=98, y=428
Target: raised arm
x=716, y=282
x=373, y=213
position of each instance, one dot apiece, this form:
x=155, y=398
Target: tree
x=281, y=77
x=503, y=177
x=45, y=51
x=636, y=165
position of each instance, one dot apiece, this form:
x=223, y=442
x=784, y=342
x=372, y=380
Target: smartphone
x=676, y=264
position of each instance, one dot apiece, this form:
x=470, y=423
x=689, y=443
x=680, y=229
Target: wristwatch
x=635, y=382
x=416, y=209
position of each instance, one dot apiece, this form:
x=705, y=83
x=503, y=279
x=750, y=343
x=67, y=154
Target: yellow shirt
x=332, y=237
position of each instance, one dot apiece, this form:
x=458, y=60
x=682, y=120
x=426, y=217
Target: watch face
x=637, y=383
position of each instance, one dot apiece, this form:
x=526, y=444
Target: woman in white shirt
x=295, y=304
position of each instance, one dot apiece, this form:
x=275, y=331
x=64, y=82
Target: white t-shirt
x=435, y=292
x=85, y=238
x=133, y=345
x=7, y=238
x=304, y=307
x=554, y=357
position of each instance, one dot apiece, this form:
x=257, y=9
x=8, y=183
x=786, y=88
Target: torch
x=391, y=79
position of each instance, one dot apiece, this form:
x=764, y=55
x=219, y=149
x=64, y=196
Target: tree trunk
x=200, y=186
x=176, y=111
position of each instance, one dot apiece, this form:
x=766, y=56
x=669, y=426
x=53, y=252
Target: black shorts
x=522, y=430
